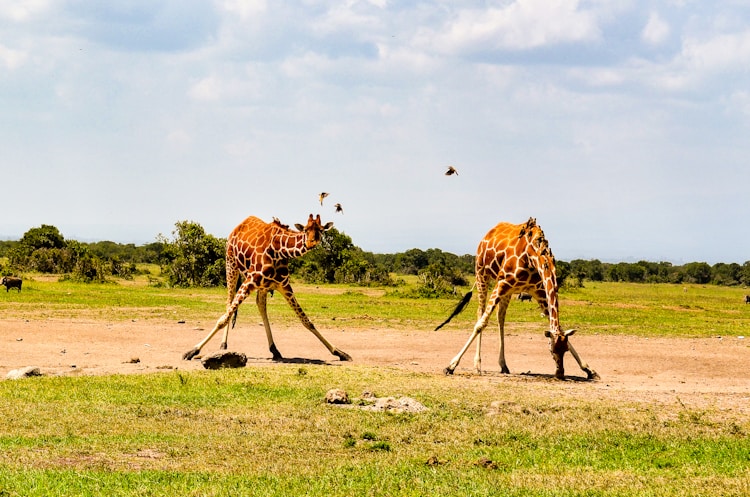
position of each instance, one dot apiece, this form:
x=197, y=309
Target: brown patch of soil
x=708, y=372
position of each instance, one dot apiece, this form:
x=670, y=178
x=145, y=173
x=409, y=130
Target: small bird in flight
x=339, y=208
x=322, y=196
x=451, y=170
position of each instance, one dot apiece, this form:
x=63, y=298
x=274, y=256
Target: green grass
x=605, y=308
x=267, y=431
x=656, y=309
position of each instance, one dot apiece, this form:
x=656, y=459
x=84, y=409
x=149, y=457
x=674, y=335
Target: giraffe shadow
x=288, y=360
x=551, y=377
x=300, y=360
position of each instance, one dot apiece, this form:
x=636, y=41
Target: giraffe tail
x=460, y=307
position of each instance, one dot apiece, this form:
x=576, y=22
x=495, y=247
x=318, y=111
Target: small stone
x=26, y=372
x=224, y=359
x=486, y=463
x=337, y=396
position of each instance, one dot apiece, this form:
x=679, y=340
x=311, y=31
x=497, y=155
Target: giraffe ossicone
x=260, y=252
x=518, y=258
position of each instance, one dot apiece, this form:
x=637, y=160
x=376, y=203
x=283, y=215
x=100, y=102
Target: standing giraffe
x=260, y=252
x=518, y=257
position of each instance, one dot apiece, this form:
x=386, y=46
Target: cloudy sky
x=623, y=126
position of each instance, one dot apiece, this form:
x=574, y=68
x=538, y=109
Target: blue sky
x=622, y=126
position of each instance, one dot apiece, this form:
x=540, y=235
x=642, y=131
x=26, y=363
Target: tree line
x=192, y=257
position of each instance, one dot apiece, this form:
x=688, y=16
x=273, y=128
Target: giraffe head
x=558, y=346
x=313, y=230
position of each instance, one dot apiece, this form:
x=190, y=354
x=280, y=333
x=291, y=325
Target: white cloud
x=11, y=58
x=22, y=11
x=656, y=30
x=207, y=89
x=245, y=9
x=520, y=25
x=738, y=102
x=722, y=52
x=179, y=139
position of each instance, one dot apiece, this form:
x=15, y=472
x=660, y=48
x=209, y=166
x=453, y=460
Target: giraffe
x=260, y=252
x=518, y=257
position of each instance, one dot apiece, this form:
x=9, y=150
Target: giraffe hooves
x=342, y=355
x=190, y=354
x=592, y=375
x=448, y=371
x=505, y=370
x=223, y=346
x=275, y=353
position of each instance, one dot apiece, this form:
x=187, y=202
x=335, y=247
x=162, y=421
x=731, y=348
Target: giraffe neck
x=546, y=270
x=290, y=245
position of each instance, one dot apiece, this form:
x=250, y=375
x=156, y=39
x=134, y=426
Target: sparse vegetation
x=266, y=431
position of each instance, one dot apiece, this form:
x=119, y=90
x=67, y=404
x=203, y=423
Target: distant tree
x=745, y=273
x=726, y=274
x=337, y=260
x=42, y=249
x=193, y=257
x=562, y=271
x=697, y=272
x=43, y=237
x=411, y=261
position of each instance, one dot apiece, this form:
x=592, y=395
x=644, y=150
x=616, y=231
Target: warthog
x=11, y=282
x=747, y=299
x=524, y=296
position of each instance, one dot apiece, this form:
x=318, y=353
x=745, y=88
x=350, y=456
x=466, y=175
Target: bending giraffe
x=518, y=258
x=260, y=252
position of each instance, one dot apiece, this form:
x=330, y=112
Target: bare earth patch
x=708, y=372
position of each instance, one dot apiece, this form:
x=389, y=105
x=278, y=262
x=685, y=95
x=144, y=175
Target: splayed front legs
x=590, y=373
x=243, y=291
x=289, y=296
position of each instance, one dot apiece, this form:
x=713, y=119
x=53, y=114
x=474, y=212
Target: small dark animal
x=747, y=299
x=451, y=170
x=339, y=208
x=11, y=282
x=524, y=296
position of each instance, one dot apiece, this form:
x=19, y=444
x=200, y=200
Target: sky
x=622, y=126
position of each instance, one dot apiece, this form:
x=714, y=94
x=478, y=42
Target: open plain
x=708, y=372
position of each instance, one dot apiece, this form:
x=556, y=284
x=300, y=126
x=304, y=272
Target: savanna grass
x=605, y=308
x=267, y=431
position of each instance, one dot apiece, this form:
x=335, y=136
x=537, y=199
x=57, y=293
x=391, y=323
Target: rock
x=337, y=396
x=402, y=404
x=486, y=463
x=26, y=372
x=224, y=359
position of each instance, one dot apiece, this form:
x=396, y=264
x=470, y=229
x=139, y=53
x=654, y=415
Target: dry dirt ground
x=709, y=372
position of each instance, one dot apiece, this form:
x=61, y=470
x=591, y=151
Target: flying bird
x=339, y=208
x=322, y=196
x=451, y=170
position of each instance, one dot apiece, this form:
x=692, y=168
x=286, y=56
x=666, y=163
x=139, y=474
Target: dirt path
x=710, y=371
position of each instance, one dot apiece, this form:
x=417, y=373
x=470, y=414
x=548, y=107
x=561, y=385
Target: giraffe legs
x=260, y=299
x=590, y=373
x=501, y=310
x=289, y=296
x=481, y=285
x=223, y=321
